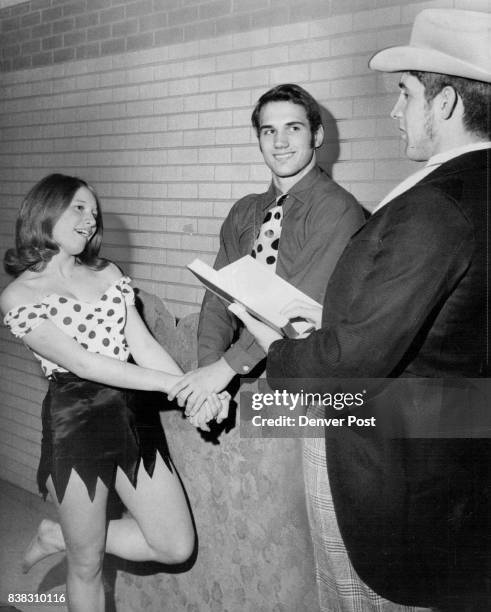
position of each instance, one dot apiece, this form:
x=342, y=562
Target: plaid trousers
x=340, y=589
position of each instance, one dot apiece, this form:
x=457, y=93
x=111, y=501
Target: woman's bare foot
x=47, y=541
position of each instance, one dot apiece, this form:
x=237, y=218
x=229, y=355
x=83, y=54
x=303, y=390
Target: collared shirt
x=319, y=219
x=432, y=164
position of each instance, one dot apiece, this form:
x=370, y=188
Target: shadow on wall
x=328, y=153
x=114, y=224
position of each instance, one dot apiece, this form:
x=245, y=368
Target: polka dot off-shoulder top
x=98, y=327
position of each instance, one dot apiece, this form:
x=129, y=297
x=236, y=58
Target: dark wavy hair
x=289, y=92
x=40, y=210
x=476, y=98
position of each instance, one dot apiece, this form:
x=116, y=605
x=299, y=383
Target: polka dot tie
x=267, y=243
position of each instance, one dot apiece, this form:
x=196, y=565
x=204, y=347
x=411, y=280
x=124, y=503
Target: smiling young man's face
x=286, y=142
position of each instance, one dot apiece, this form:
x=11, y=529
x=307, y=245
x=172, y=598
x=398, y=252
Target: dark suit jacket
x=409, y=298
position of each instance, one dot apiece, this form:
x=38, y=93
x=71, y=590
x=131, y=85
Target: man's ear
x=448, y=99
x=319, y=137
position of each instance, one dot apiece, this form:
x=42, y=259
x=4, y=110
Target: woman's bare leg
x=159, y=529
x=83, y=529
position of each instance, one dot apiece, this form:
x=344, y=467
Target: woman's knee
x=85, y=562
x=176, y=548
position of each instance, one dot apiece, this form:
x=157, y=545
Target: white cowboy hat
x=446, y=41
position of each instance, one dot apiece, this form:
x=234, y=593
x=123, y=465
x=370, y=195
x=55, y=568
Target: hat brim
x=399, y=59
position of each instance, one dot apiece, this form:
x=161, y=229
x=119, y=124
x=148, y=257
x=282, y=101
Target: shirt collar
x=432, y=164
x=305, y=184
x=440, y=158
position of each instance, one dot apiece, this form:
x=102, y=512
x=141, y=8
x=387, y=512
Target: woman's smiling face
x=77, y=224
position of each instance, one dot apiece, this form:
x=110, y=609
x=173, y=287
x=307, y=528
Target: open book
x=263, y=293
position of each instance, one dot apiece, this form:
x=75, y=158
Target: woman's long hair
x=38, y=214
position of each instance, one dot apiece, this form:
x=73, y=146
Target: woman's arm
x=50, y=342
x=145, y=350
x=47, y=340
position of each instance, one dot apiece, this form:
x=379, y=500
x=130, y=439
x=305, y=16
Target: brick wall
x=40, y=32
x=159, y=123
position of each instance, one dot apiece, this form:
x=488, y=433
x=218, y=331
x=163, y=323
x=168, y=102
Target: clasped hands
x=201, y=391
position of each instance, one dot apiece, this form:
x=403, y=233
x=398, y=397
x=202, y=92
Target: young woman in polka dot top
x=76, y=312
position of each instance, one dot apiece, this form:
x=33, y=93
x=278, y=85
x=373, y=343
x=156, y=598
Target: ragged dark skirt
x=93, y=429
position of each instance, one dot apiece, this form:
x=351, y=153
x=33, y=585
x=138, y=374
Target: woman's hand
x=168, y=381
x=216, y=407
x=195, y=386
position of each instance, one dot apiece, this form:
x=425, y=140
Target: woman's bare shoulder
x=23, y=290
x=103, y=278
x=111, y=272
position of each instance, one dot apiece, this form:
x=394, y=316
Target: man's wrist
x=242, y=362
x=225, y=368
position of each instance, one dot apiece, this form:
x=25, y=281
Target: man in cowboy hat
x=409, y=299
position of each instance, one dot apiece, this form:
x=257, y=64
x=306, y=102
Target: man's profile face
x=415, y=118
x=285, y=138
